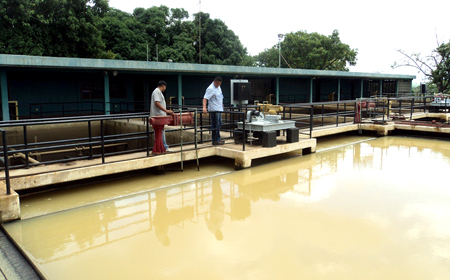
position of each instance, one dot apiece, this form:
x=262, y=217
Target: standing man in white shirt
x=158, y=107
x=214, y=98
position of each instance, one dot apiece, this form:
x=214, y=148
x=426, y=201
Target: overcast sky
x=375, y=28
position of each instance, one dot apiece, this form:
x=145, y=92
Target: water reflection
x=158, y=211
x=335, y=214
x=214, y=219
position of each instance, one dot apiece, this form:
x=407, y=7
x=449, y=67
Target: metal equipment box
x=292, y=135
x=241, y=91
x=269, y=139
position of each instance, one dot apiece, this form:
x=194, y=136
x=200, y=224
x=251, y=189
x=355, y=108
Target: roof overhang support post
x=311, y=87
x=146, y=96
x=277, y=93
x=107, y=102
x=4, y=93
x=362, y=88
x=339, y=90
x=381, y=88
x=396, y=88
x=180, y=90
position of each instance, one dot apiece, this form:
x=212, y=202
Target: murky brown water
x=378, y=209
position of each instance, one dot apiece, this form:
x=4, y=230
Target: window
x=389, y=86
x=91, y=90
x=373, y=86
x=117, y=90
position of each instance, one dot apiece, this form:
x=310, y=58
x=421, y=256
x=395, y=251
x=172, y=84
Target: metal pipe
x=70, y=119
x=76, y=149
x=21, y=155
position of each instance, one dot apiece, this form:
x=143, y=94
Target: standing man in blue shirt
x=214, y=98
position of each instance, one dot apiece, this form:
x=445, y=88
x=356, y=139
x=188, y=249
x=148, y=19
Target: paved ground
x=12, y=264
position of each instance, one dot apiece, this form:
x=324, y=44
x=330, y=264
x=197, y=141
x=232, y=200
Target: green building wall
x=41, y=85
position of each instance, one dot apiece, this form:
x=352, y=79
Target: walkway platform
x=383, y=130
x=22, y=179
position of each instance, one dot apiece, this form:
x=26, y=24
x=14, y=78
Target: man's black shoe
x=218, y=143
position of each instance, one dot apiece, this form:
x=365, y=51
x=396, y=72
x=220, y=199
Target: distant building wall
x=294, y=90
x=41, y=85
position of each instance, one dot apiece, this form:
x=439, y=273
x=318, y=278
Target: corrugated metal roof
x=186, y=68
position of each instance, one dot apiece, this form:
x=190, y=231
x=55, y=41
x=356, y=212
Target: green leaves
x=310, y=51
x=435, y=67
x=89, y=28
x=51, y=27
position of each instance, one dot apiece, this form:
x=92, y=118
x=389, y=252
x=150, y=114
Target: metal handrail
x=308, y=112
x=63, y=108
x=101, y=141
x=344, y=111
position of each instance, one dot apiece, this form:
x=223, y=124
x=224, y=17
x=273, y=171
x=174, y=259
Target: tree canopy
x=52, y=27
x=91, y=29
x=435, y=67
x=220, y=45
x=310, y=51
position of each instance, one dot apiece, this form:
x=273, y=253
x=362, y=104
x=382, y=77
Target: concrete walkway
x=46, y=175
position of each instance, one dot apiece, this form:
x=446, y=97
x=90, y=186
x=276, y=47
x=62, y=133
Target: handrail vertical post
x=195, y=137
x=5, y=156
x=337, y=114
x=201, y=127
x=412, y=108
x=388, y=108
x=148, y=136
x=345, y=112
x=91, y=156
x=424, y=103
x=311, y=120
x=243, y=132
x=322, y=113
x=181, y=138
x=25, y=142
x=103, y=140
